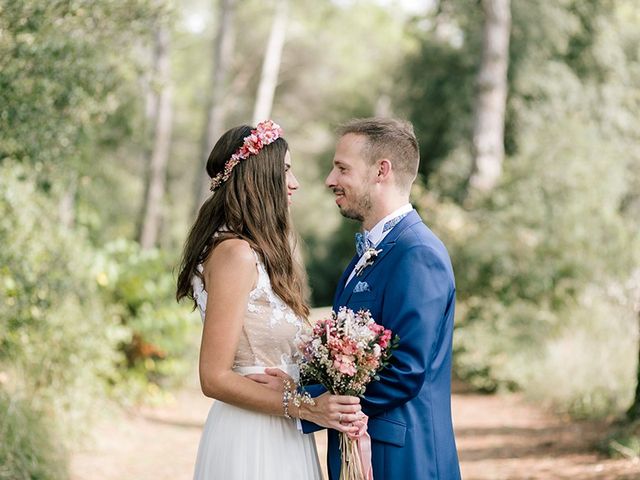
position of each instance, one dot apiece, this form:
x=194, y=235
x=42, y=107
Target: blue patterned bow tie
x=362, y=243
x=362, y=239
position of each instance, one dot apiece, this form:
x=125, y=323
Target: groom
x=409, y=288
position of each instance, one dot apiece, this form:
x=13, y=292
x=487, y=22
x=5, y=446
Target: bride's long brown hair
x=252, y=204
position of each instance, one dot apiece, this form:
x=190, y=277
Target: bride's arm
x=230, y=274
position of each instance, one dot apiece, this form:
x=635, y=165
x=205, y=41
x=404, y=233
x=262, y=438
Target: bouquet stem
x=351, y=465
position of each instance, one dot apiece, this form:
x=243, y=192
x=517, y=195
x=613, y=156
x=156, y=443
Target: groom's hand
x=272, y=378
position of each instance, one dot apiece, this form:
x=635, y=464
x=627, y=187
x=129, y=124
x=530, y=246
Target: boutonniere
x=368, y=257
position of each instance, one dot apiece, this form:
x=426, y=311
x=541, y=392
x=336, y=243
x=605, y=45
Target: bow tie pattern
x=362, y=239
x=362, y=243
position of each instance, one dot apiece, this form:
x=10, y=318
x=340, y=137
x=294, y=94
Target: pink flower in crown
x=266, y=126
x=253, y=143
x=269, y=136
x=263, y=127
x=243, y=152
x=265, y=133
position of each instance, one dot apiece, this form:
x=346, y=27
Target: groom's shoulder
x=420, y=238
x=419, y=234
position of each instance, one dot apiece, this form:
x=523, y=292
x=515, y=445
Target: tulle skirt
x=239, y=444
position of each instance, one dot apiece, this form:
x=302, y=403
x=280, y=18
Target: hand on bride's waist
x=273, y=378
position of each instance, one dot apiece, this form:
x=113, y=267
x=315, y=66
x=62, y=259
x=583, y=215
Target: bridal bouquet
x=344, y=353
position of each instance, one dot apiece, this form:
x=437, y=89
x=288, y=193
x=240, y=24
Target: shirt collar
x=376, y=235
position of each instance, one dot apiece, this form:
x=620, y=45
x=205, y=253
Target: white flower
x=370, y=253
x=367, y=258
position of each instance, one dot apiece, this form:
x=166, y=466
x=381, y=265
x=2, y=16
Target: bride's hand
x=272, y=378
x=339, y=412
x=331, y=411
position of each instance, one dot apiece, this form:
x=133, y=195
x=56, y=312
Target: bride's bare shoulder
x=233, y=255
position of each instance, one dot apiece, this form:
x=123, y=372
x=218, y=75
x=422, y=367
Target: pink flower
x=253, y=143
x=244, y=152
x=343, y=355
x=375, y=328
x=269, y=129
x=345, y=346
x=344, y=364
x=265, y=133
x=269, y=136
x=385, y=338
x=265, y=126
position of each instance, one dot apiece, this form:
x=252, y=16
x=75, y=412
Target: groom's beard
x=361, y=206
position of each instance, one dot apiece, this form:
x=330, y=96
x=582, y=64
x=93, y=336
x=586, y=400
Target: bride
x=239, y=270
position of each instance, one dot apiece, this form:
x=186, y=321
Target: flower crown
x=265, y=133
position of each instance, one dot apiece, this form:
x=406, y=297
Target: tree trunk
x=67, y=205
x=223, y=53
x=157, y=171
x=634, y=410
x=491, y=99
x=271, y=64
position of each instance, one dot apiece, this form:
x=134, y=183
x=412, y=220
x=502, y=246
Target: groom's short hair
x=389, y=138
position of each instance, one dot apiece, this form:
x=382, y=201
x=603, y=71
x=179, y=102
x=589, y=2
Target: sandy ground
x=499, y=437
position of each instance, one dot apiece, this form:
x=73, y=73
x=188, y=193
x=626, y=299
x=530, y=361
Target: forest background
x=527, y=117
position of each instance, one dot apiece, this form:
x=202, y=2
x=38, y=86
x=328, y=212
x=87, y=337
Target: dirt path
x=499, y=437
x=504, y=438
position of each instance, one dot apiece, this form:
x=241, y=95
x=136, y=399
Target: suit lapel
x=387, y=244
x=342, y=281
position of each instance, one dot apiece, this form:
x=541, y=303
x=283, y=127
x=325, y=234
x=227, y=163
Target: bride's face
x=292, y=182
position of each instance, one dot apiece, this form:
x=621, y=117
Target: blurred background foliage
x=95, y=94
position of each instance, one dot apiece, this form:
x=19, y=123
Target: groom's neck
x=381, y=207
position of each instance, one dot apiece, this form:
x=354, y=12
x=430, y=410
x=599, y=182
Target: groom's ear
x=384, y=169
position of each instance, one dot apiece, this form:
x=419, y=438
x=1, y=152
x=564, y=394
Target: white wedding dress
x=240, y=444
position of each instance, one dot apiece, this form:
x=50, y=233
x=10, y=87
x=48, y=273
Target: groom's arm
x=315, y=391
x=418, y=293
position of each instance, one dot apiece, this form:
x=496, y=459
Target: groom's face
x=351, y=176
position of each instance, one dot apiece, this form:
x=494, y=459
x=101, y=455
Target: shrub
x=28, y=450
x=57, y=340
x=139, y=288
x=541, y=270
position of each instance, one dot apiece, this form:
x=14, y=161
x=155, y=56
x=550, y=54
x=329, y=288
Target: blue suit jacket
x=412, y=292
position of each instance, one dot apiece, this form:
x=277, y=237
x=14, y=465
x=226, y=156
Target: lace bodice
x=270, y=326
